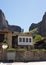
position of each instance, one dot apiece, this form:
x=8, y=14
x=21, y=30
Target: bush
x=38, y=38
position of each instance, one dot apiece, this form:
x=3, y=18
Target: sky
x=23, y=12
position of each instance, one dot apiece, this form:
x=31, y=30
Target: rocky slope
x=41, y=26
x=5, y=26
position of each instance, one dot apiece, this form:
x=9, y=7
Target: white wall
x=25, y=43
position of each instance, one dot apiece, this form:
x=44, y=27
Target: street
x=21, y=63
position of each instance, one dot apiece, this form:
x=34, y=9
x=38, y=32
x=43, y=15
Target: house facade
x=22, y=40
x=25, y=40
x=5, y=36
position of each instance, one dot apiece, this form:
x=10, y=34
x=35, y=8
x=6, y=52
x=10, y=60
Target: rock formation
x=41, y=26
x=14, y=28
x=5, y=26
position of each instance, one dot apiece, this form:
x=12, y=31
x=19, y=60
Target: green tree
x=38, y=38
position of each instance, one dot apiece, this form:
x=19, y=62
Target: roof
x=22, y=34
x=5, y=31
x=40, y=42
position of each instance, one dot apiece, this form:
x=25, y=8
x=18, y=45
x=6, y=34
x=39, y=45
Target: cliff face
x=41, y=26
x=5, y=26
x=14, y=28
x=33, y=25
x=3, y=22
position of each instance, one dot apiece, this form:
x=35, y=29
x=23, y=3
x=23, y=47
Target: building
x=5, y=35
x=17, y=40
x=22, y=40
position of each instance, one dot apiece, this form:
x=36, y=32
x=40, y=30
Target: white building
x=25, y=39
x=22, y=40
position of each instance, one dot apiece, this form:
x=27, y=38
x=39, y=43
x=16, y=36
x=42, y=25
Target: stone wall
x=20, y=55
x=33, y=55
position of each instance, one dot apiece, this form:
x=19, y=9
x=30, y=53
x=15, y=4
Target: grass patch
x=11, y=49
x=19, y=49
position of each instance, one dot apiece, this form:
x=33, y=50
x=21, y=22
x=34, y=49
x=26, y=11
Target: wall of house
x=2, y=38
x=9, y=36
x=25, y=43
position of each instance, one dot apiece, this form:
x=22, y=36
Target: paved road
x=19, y=63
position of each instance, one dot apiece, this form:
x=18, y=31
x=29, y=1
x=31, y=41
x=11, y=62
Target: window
x=1, y=37
x=26, y=39
x=29, y=39
x=20, y=39
x=23, y=39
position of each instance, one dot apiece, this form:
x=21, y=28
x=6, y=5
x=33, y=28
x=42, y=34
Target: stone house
x=5, y=35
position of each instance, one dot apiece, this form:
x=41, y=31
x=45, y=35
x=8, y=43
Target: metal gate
x=11, y=56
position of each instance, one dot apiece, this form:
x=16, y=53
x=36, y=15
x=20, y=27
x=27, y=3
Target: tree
x=38, y=38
